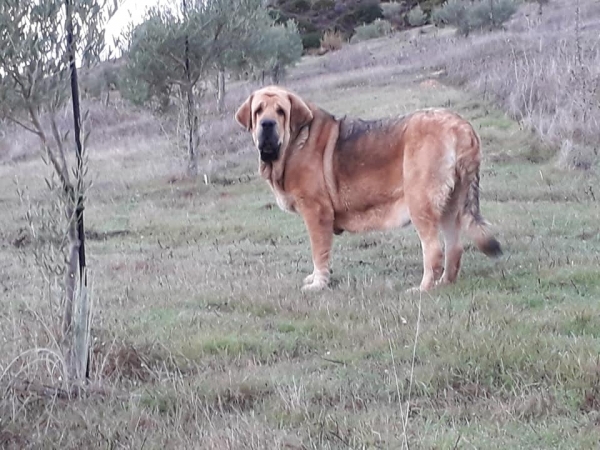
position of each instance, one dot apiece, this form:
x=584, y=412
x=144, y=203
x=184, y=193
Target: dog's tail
x=475, y=226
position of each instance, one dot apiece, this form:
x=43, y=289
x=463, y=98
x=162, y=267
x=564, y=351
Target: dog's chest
x=284, y=200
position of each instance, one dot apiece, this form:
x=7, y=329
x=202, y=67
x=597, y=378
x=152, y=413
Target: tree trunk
x=192, y=130
x=191, y=108
x=78, y=351
x=71, y=272
x=276, y=73
x=221, y=91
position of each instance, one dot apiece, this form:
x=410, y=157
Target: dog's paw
x=315, y=282
x=309, y=279
x=419, y=289
x=314, y=286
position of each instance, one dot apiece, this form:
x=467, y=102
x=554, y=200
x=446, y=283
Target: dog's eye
x=280, y=112
x=258, y=110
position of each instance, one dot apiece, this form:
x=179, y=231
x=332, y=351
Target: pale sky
x=129, y=11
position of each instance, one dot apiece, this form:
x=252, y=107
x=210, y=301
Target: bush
x=491, y=15
x=378, y=28
x=469, y=16
x=299, y=6
x=453, y=12
x=392, y=10
x=416, y=17
x=306, y=26
x=332, y=41
x=323, y=5
x=311, y=40
x=368, y=12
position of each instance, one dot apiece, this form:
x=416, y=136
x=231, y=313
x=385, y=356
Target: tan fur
x=356, y=176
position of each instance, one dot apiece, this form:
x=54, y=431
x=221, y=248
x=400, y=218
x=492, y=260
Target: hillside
x=314, y=17
x=201, y=337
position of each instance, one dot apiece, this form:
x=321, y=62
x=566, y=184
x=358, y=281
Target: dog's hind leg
x=453, y=249
x=427, y=221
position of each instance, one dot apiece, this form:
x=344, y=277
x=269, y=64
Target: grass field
x=202, y=338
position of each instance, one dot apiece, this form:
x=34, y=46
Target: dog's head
x=273, y=115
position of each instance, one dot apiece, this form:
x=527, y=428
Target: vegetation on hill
x=315, y=17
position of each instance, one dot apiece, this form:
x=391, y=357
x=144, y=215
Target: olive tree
x=173, y=49
x=279, y=48
x=41, y=44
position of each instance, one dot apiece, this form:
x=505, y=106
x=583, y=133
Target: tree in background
x=173, y=50
x=468, y=16
x=270, y=49
x=41, y=42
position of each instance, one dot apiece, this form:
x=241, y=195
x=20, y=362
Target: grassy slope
x=203, y=333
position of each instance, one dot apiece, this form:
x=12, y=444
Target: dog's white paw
x=309, y=279
x=315, y=282
x=314, y=286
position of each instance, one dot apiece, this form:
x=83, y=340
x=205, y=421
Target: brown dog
x=354, y=175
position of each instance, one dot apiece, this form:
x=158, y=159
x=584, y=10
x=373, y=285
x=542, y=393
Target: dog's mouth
x=269, y=148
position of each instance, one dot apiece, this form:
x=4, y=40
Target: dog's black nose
x=267, y=123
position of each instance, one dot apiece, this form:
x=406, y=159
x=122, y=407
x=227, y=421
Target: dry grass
x=548, y=80
x=203, y=340
x=332, y=41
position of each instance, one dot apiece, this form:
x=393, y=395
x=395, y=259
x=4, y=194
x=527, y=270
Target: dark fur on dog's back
x=352, y=129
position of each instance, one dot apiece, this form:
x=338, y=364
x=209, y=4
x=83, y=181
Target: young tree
x=41, y=42
x=271, y=49
x=173, y=49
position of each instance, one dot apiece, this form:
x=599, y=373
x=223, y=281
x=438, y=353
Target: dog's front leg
x=319, y=223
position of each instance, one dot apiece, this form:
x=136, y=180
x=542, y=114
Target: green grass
x=205, y=286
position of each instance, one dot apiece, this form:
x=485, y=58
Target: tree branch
x=58, y=140
x=21, y=124
x=62, y=172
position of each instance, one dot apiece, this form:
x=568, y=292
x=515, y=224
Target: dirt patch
x=430, y=84
x=241, y=398
x=121, y=361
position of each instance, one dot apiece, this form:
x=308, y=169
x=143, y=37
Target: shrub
x=378, y=28
x=311, y=40
x=392, y=10
x=394, y=13
x=305, y=26
x=453, y=12
x=491, y=14
x=332, y=41
x=299, y=6
x=416, y=17
x=368, y=12
x=323, y=5
x=468, y=16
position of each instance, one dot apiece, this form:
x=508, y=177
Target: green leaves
x=34, y=70
x=221, y=34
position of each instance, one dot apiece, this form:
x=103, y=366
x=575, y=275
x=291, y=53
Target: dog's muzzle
x=268, y=141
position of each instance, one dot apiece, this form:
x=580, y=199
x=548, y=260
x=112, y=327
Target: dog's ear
x=300, y=114
x=243, y=116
